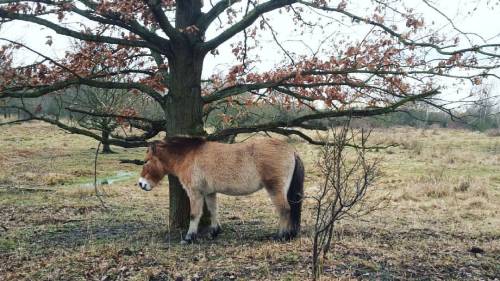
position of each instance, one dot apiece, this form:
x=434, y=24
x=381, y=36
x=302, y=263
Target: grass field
x=443, y=188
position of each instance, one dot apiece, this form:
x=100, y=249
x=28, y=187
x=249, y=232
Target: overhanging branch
x=74, y=34
x=38, y=91
x=74, y=130
x=300, y=121
x=302, y=135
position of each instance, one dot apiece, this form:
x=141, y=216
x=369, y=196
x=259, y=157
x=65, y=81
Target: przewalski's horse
x=205, y=168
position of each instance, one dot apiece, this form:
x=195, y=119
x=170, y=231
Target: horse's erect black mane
x=184, y=141
x=179, y=144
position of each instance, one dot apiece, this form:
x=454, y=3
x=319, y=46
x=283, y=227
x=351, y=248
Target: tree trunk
x=183, y=109
x=106, y=149
x=179, y=204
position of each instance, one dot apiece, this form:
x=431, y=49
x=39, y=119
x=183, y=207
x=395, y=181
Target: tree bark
x=178, y=204
x=106, y=148
x=184, y=112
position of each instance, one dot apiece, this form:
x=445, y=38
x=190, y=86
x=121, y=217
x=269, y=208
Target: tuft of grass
x=7, y=245
x=476, y=203
x=463, y=185
x=414, y=146
x=52, y=179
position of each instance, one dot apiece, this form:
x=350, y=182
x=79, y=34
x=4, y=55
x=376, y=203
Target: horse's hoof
x=215, y=231
x=285, y=236
x=281, y=238
x=189, y=239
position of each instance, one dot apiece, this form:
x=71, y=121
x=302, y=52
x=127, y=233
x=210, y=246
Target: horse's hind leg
x=196, y=204
x=279, y=200
x=211, y=201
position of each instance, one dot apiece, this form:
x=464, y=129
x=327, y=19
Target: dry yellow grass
x=444, y=189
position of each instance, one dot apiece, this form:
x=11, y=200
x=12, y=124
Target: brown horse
x=205, y=168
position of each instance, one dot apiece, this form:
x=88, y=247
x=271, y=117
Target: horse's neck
x=175, y=162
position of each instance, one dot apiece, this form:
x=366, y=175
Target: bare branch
x=80, y=131
x=204, y=22
x=161, y=18
x=38, y=91
x=160, y=44
x=245, y=22
x=302, y=135
x=408, y=42
x=102, y=114
x=75, y=34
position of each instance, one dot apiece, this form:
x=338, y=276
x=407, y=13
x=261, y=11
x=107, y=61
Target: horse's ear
x=152, y=147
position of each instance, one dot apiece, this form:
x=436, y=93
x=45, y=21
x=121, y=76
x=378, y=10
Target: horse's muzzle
x=144, y=184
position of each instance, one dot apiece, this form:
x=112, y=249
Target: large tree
x=356, y=60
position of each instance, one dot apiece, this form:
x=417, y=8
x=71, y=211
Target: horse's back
x=243, y=168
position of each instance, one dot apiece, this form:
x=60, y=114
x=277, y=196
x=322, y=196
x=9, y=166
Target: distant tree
x=483, y=113
x=98, y=110
x=158, y=48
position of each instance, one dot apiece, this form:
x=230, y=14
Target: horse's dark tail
x=295, y=195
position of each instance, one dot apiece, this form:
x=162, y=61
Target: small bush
x=413, y=145
x=463, y=185
x=493, y=132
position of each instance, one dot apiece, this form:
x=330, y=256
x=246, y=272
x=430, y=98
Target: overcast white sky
x=468, y=15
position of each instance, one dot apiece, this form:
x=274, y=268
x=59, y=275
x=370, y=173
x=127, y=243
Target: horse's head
x=153, y=170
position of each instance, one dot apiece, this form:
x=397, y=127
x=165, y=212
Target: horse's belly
x=236, y=190
x=234, y=185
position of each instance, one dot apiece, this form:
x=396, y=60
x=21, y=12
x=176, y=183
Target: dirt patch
x=33, y=216
x=75, y=234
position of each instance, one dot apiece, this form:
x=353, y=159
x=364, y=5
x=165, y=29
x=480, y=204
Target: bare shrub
x=493, y=132
x=348, y=176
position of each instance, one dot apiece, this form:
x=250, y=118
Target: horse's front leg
x=215, y=229
x=196, y=204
